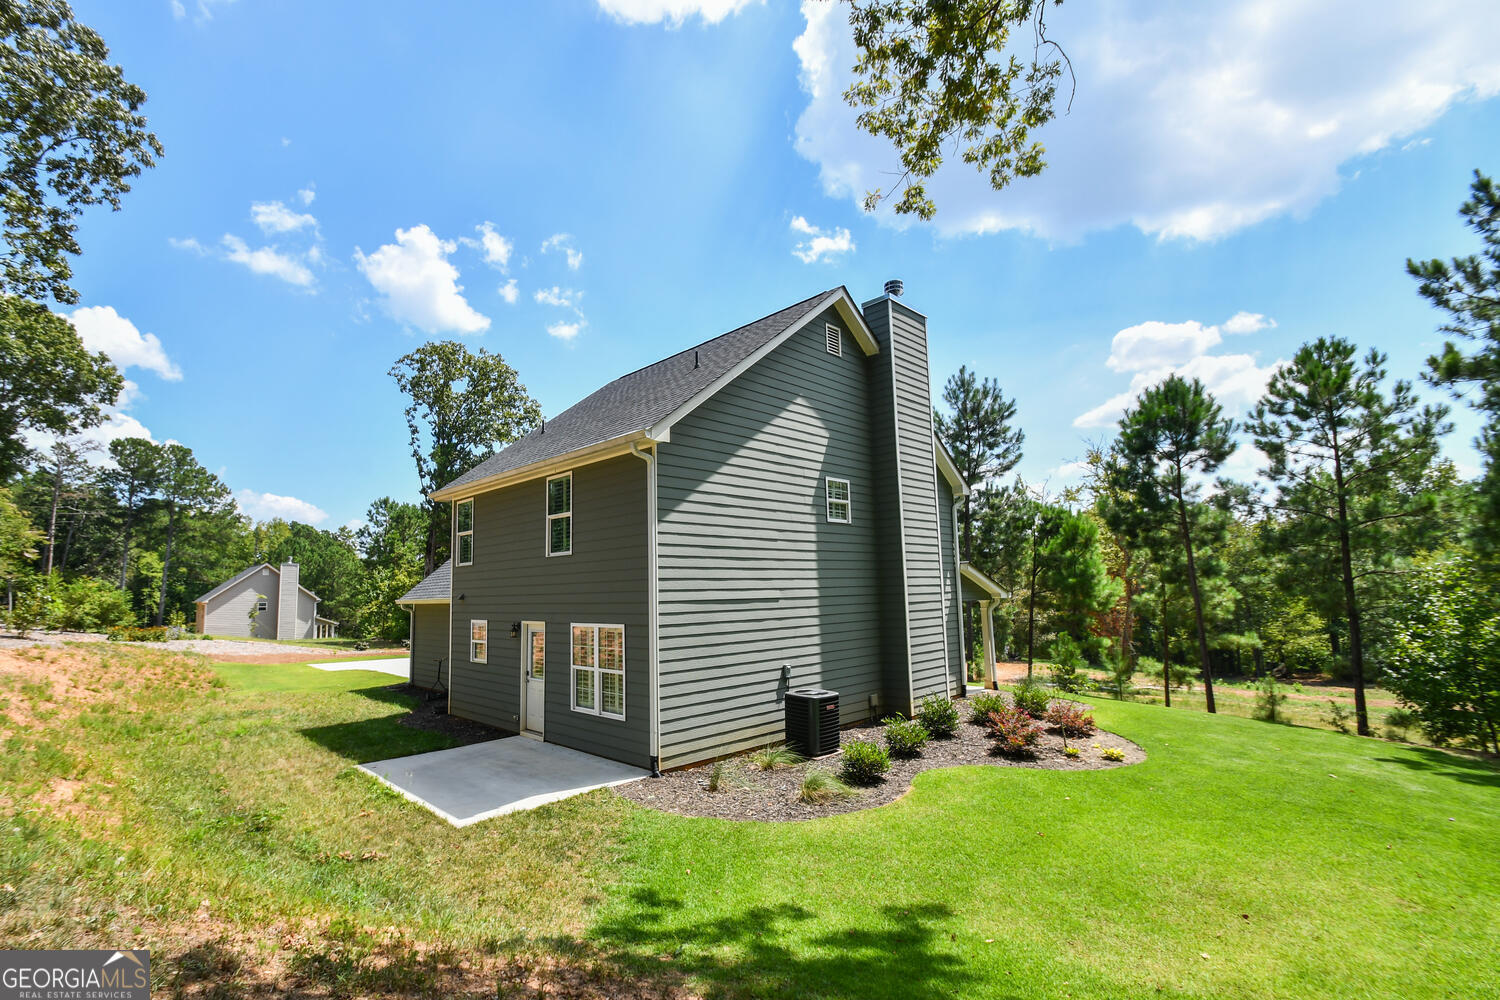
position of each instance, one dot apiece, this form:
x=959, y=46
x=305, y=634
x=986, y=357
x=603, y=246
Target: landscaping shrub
x=1070, y=718
x=1067, y=669
x=1015, y=731
x=157, y=633
x=820, y=786
x=772, y=758
x=1031, y=698
x=864, y=763
x=982, y=704
x=1338, y=716
x=1071, y=752
x=1398, y=724
x=1268, y=701
x=905, y=737
x=716, y=776
x=1112, y=753
x=938, y=716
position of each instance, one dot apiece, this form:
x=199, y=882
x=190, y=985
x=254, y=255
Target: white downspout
x=651, y=603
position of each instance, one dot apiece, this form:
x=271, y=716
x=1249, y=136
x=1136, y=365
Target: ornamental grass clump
x=775, y=758
x=938, y=716
x=1015, y=733
x=819, y=787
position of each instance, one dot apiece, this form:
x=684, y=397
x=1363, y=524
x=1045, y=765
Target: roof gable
x=646, y=402
x=245, y=573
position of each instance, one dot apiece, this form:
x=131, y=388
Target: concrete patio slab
x=398, y=666
x=467, y=784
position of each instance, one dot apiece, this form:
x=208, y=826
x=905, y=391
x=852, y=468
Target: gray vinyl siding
x=605, y=581
x=894, y=653
x=286, y=603
x=751, y=573
x=924, y=568
x=307, y=612
x=429, y=643
x=228, y=612
x=951, y=603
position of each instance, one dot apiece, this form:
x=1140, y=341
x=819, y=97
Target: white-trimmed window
x=836, y=493
x=463, y=523
x=599, y=670
x=262, y=605
x=835, y=339
x=479, y=640
x=560, y=515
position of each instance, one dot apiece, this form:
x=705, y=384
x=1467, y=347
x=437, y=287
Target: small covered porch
x=325, y=628
x=976, y=588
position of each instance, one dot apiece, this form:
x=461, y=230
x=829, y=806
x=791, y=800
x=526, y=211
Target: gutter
x=653, y=672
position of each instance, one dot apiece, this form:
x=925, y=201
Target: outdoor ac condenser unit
x=812, y=721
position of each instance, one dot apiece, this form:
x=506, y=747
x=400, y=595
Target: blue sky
x=590, y=185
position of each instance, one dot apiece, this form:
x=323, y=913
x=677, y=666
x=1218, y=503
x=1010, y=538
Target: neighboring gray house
x=284, y=608
x=645, y=575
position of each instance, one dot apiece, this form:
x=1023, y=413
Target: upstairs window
x=463, y=521
x=835, y=340
x=560, y=515
x=836, y=493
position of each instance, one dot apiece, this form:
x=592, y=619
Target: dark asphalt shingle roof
x=437, y=585
x=640, y=399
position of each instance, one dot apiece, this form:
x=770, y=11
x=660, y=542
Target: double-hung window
x=599, y=670
x=463, y=520
x=479, y=636
x=560, y=515
x=836, y=494
x=261, y=605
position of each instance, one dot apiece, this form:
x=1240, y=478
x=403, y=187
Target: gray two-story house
x=645, y=575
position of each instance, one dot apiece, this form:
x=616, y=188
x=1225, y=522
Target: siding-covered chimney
x=912, y=581
x=286, y=600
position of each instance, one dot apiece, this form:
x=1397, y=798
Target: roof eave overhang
x=408, y=602
x=612, y=448
x=978, y=579
x=948, y=468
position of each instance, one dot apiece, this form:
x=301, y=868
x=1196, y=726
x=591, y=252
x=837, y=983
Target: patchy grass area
x=212, y=813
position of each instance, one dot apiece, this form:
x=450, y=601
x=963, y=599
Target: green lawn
x=1242, y=859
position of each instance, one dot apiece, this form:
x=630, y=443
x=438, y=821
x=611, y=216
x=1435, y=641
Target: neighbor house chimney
x=894, y=287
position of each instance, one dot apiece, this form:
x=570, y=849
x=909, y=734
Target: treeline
x=1356, y=553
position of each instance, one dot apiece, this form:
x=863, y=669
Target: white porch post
x=988, y=628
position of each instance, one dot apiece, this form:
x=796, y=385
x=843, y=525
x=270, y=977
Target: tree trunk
x=1192, y=574
x=166, y=563
x=52, y=516
x=1166, y=651
x=1031, y=610
x=125, y=544
x=1351, y=602
x=1126, y=638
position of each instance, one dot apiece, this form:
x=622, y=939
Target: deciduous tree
x=132, y=481
x=186, y=488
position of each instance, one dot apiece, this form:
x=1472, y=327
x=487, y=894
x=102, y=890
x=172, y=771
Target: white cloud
x=1153, y=350
x=1190, y=120
x=178, y=10
x=267, y=260
x=509, y=292
x=556, y=296
x=117, y=424
x=1248, y=322
x=354, y=523
x=565, y=331
x=307, y=194
x=564, y=242
x=274, y=217
x=285, y=141
x=820, y=243
x=674, y=12
x=102, y=329
x=190, y=244
x=265, y=506
x=419, y=285
x=496, y=247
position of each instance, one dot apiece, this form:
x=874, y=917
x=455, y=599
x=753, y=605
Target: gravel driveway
x=209, y=647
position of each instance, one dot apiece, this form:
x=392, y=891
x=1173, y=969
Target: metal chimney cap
x=894, y=287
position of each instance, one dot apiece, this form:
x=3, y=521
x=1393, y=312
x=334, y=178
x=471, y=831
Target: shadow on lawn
x=896, y=953
x=384, y=736
x=1463, y=767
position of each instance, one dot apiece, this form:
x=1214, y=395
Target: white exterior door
x=534, y=678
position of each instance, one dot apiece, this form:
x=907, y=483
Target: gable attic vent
x=835, y=340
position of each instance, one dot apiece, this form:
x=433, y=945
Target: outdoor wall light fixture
x=460, y=597
x=515, y=630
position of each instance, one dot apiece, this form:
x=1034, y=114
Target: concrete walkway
x=399, y=666
x=467, y=784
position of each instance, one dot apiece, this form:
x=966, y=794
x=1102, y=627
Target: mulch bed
x=431, y=714
x=750, y=793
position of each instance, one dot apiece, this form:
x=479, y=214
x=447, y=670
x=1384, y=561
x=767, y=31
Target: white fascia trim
x=837, y=299
x=948, y=468
x=613, y=448
x=978, y=579
x=418, y=600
